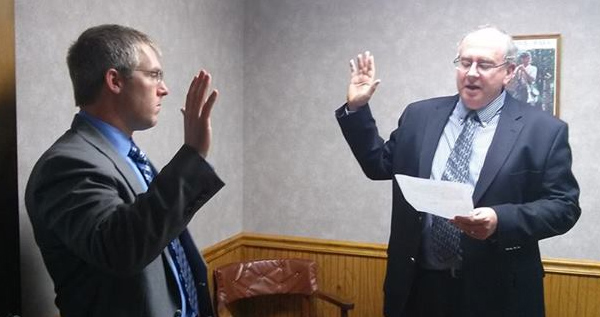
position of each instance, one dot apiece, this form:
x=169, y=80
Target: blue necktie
x=445, y=236
x=175, y=248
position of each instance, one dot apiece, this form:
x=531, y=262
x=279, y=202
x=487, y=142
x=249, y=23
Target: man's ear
x=113, y=80
x=510, y=72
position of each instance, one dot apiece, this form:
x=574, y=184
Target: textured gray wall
x=282, y=68
x=192, y=34
x=299, y=175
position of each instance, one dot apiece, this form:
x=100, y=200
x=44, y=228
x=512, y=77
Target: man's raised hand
x=362, y=81
x=196, y=113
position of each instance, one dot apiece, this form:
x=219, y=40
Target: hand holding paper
x=480, y=224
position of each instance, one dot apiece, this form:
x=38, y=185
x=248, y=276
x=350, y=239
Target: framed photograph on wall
x=537, y=76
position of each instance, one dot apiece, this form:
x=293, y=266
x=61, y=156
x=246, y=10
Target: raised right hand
x=362, y=81
x=196, y=113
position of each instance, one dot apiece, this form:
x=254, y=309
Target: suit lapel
x=200, y=272
x=433, y=132
x=96, y=139
x=194, y=257
x=507, y=132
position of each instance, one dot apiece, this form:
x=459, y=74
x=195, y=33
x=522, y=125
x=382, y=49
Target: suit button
x=412, y=259
x=177, y=313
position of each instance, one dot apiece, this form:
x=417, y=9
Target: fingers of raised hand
x=363, y=64
x=208, y=106
x=352, y=67
x=370, y=61
x=189, y=100
x=195, y=99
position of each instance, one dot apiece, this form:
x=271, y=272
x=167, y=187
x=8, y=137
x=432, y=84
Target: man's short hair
x=510, y=50
x=99, y=49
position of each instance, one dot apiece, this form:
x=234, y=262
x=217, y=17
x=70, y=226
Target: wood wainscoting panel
x=356, y=271
x=572, y=288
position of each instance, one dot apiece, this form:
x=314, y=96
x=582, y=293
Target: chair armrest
x=340, y=302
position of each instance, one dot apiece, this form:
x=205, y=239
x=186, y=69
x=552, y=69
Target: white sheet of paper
x=442, y=198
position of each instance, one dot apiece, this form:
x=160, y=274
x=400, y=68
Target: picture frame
x=537, y=81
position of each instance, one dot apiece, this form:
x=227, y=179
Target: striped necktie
x=446, y=236
x=142, y=163
x=175, y=248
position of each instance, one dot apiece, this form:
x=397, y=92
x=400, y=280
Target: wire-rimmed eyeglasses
x=158, y=75
x=465, y=64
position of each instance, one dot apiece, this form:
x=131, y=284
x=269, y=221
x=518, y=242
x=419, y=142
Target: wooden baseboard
x=356, y=271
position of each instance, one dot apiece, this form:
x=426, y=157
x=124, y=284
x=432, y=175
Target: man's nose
x=473, y=72
x=162, y=89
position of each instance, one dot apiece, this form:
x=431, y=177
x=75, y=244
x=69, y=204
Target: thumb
x=374, y=87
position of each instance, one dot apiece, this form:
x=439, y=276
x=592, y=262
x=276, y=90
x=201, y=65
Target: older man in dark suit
x=518, y=162
x=112, y=229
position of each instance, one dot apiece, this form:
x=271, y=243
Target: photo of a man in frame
x=533, y=81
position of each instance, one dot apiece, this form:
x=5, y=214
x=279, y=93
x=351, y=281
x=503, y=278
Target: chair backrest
x=264, y=277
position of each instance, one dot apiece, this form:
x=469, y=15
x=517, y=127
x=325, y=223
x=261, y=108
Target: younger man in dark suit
x=112, y=229
x=516, y=159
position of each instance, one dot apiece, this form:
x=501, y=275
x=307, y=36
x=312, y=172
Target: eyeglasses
x=157, y=75
x=465, y=64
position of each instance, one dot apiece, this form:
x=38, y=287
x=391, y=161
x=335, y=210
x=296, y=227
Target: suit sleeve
x=87, y=206
x=373, y=154
x=555, y=208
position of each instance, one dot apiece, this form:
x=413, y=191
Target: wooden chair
x=298, y=277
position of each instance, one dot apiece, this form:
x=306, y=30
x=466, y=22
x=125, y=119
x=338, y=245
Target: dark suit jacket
x=526, y=178
x=102, y=237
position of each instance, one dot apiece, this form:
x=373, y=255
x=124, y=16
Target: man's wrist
x=348, y=111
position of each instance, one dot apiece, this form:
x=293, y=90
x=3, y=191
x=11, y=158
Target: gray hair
x=99, y=49
x=510, y=52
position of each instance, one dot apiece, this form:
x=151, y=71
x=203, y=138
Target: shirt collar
x=486, y=113
x=118, y=139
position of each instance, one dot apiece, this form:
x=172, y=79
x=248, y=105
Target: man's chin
x=147, y=125
x=473, y=104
